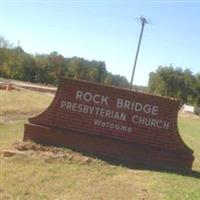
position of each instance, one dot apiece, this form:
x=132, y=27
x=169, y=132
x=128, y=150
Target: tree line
x=177, y=83
x=15, y=63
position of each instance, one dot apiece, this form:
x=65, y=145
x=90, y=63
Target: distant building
x=190, y=109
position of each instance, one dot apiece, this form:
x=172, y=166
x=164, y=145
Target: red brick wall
x=110, y=148
x=57, y=117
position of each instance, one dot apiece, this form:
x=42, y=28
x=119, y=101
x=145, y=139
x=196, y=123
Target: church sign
x=116, y=123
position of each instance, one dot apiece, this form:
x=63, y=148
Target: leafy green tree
x=174, y=82
x=48, y=68
x=197, y=90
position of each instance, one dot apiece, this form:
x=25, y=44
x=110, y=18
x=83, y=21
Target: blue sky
x=108, y=31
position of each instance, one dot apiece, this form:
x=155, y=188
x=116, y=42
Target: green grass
x=11, y=132
x=190, y=132
x=19, y=104
x=39, y=177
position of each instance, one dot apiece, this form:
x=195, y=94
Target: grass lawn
x=20, y=104
x=42, y=177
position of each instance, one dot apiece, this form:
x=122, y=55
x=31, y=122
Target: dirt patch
x=31, y=148
x=7, y=86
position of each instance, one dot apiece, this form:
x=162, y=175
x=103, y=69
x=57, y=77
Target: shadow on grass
x=146, y=167
x=138, y=165
x=191, y=173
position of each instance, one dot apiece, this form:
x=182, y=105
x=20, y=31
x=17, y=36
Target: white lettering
x=79, y=95
x=119, y=103
x=154, y=110
x=137, y=106
x=95, y=98
x=74, y=107
x=89, y=97
x=104, y=100
x=85, y=109
x=136, y=119
x=68, y=105
x=63, y=104
x=166, y=125
x=127, y=104
x=117, y=127
x=147, y=108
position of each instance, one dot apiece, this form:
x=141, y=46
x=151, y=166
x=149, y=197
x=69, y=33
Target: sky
x=108, y=31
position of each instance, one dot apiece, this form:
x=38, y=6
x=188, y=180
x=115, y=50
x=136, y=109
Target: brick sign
x=112, y=122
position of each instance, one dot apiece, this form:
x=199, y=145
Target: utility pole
x=18, y=43
x=143, y=22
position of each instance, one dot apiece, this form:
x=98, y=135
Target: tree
x=174, y=82
x=48, y=68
